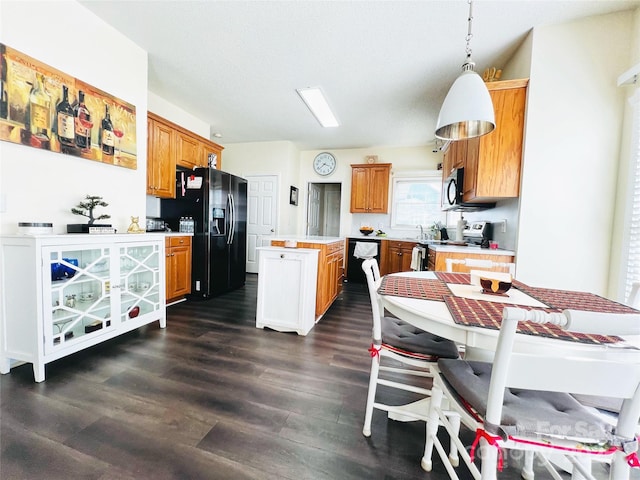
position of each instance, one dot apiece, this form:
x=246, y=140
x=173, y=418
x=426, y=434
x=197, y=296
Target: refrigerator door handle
x=233, y=218
x=230, y=230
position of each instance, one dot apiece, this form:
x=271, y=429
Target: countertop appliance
x=155, y=224
x=217, y=203
x=355, y=273
x=452, y=193
x=477, y=232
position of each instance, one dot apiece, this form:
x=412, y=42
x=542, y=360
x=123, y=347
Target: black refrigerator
x=217, y=203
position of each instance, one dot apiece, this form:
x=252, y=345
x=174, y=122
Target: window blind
x=632, y=233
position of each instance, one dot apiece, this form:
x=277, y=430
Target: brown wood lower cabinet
x=178, y=266
x=396, y=256
x=438, y=260
x=330, y=271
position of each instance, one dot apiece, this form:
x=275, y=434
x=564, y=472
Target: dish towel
x=417, y=254
x=365, y=250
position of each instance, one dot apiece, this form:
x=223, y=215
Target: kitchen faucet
x=421, y=232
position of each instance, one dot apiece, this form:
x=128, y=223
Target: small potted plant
x=85, y=209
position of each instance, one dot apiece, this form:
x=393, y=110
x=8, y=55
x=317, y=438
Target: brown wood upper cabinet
x=170, y=146
x=370, y=188
x=161, y=164
x=492, y=162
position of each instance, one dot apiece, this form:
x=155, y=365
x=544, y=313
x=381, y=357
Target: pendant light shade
x=467, y=111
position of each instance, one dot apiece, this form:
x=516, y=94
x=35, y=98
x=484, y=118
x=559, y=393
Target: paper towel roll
x=460, y=229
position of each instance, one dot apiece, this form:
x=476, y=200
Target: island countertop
x=308, y=238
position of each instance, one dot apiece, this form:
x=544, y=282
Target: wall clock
x=324, y=164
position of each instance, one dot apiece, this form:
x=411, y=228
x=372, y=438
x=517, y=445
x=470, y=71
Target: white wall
x=269, y=158
x=296, y=168
x=177, y=115
x=43, y=186
x=571, y=152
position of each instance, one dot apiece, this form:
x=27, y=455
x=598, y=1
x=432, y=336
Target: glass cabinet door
x=77, y=287
x=139, y=280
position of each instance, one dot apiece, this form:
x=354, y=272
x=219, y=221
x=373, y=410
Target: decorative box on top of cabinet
x=64, y=293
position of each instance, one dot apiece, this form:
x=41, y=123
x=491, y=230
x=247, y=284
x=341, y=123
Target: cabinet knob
x=282, y=255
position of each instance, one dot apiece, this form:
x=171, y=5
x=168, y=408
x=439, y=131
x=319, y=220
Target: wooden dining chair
x=524, y=402
x=414, y=354
x=480, y=263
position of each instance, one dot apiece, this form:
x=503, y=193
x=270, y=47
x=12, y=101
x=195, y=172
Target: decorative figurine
x=134, y=227
x=91, y=202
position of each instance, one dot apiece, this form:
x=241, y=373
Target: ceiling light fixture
x=317, y=103
x=467, y=110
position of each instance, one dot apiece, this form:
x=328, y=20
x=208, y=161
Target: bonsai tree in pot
x=86, y=207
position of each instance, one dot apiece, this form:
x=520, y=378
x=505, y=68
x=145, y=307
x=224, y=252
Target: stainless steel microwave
x=452, y=194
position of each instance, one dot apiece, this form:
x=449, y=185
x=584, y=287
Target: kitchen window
x=416, y=199
x=631, y=245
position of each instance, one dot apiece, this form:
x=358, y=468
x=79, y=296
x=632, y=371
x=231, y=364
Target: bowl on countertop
x=366, y=231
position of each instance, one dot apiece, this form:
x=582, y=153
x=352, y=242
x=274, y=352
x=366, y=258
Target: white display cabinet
x=63, y=293
x=287, y=279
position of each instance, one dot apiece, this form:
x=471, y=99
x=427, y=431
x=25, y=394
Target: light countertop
x=470, y=249
x=309, y=238
x=438, y=247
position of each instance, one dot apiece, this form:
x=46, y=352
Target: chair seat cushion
x=404, y=337
x=528, y=413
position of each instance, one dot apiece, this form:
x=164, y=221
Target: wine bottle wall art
x=44, y=108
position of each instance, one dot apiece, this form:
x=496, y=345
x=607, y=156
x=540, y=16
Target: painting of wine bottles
x=44, y=108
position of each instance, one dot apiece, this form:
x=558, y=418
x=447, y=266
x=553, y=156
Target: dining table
x=452, y=306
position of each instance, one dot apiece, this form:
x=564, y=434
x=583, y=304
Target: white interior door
x=313, y=211
x=262, y=210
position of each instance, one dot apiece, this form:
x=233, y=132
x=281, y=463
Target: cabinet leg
x=163, y=322
x=5, y=365
x=38, y=372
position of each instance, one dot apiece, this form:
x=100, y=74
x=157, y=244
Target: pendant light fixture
x=467, y=110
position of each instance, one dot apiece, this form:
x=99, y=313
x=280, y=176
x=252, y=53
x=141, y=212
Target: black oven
x=452, y=194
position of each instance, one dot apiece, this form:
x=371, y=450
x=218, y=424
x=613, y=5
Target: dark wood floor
x=212, y=397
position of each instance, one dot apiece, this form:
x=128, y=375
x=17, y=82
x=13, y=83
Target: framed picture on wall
x=44, y=108
x=293, y=196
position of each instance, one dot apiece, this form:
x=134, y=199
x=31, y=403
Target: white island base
x=287, y=280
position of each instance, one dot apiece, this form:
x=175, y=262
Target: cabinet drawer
x=179, y=241
x=335, y=247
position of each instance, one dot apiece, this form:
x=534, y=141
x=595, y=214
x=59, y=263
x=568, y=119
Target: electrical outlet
x=504, y=226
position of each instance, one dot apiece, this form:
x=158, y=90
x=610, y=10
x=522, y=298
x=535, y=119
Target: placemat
x=422, y=288
x=459, y=278
x=479, y=313
x=566, y=299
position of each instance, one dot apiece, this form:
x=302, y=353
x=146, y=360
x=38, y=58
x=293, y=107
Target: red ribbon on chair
x=491, y=440
x=632, y=460
x=374, y=352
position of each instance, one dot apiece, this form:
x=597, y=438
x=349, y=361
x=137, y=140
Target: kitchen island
x=330, y=265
